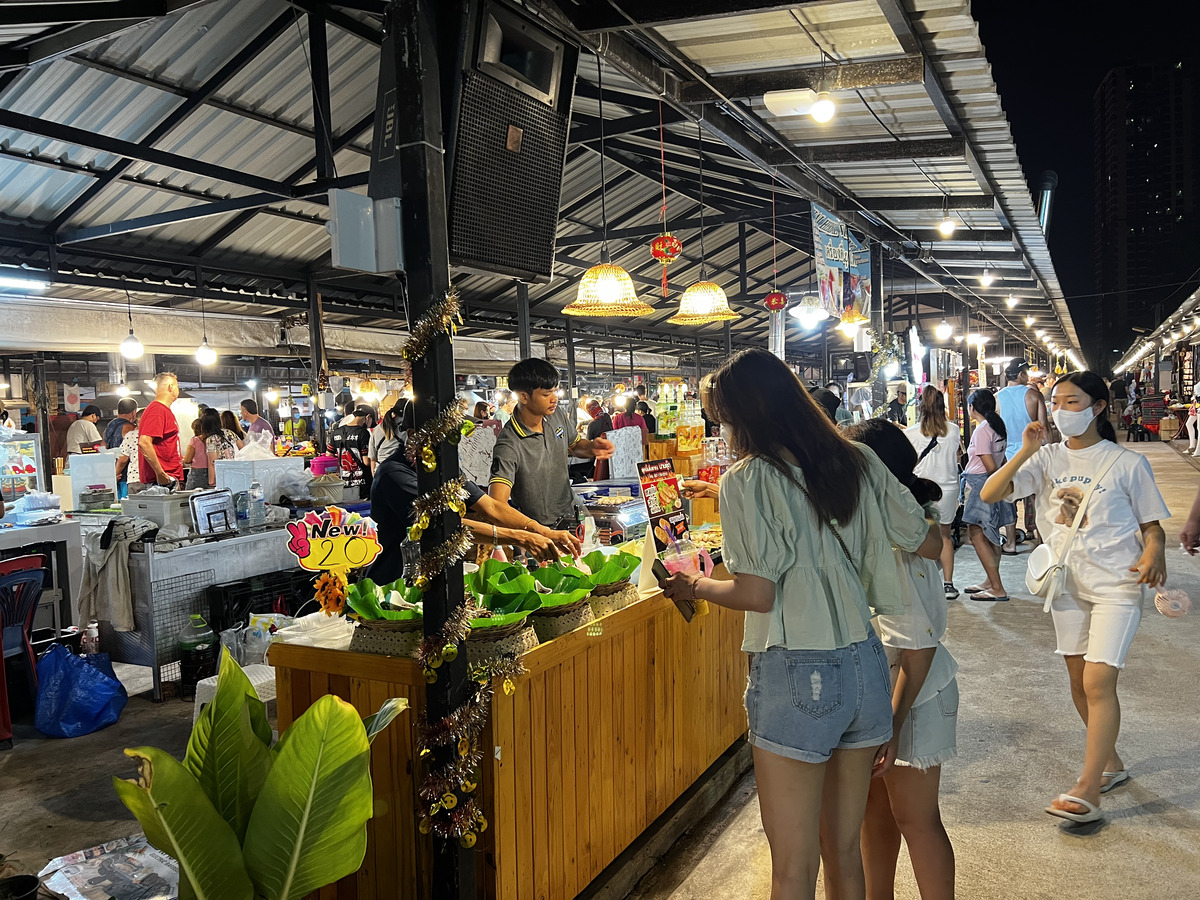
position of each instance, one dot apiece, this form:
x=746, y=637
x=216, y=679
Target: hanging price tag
x=333, y=540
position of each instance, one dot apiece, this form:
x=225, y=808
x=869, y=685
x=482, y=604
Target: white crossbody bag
x=1046, y=577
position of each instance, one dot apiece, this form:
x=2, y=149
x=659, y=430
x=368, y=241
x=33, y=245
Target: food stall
x=598, y=738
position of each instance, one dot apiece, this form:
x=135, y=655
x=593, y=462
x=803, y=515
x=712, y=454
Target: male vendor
x=529, y=462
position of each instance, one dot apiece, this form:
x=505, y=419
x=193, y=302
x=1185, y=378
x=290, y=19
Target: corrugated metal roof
x=182, y=51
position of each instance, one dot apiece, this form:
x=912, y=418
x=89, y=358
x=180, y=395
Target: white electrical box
x=364, y=234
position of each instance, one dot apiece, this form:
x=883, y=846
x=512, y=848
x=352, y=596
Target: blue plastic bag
x=76, y=694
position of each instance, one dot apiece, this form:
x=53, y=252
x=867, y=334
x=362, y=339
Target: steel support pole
x=316, y=352
x=727, y=334
x=524, y=335
x=41, y=401
x=571, y=383
x=407, y=162
x=318, y=48
x=698, y=372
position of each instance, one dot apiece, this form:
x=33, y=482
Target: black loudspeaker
x=509, y=144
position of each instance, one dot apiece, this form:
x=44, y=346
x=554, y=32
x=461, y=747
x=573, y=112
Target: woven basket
x=398, y=626
x=550, y=624
x=605, y=590
x=384, y=643
x=609, y=603
x=484, y=634
x=481, y=651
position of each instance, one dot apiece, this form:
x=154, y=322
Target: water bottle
x=258, y=506
x=197, y=654
x=90, y=642
x=242, y=503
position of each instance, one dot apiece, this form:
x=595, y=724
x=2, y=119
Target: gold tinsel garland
x=448, y=425
x=450, y=497
x=443, y=318
x=450, y=551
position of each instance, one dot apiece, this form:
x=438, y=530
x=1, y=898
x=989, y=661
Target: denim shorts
x=804, y=704
x=927, y=737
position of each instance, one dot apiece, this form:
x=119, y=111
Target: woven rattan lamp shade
x=704, y=302
x=607, y=290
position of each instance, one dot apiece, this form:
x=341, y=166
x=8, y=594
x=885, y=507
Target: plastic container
x=90, y=642
x=242, y=504
x=258, y=506
x=197, y=654
x=19, y=887
x=323, y=465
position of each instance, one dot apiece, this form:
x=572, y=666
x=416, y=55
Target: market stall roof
x=1180, y=327
x=170, y=148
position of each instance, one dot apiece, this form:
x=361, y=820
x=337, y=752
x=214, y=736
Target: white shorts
x=927, y=737
x=1099, y=632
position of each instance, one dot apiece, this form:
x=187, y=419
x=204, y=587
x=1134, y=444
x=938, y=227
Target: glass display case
x=21, y=467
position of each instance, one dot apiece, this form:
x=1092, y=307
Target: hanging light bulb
x=205, y=355
x=272, y=395
x=606, y=289
x=851, y=321
x=131, y=347
x=947, y=225
x=987, y=277
x=892, y=369
x=943, y=330
x=824, y=109
x=809, y=312
x=1011, y=301
x=1029, y=320
x=122, y=390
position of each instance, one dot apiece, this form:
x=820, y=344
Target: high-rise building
x=1146, y=195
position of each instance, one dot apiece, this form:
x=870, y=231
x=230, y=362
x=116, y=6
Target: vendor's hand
x=1190, y=536
x=1152, y=568
x=541, y=546
x=602, y=448
x=1034, y=436
x=567, y=542
x=680, y=586
x=697, y=490
x=162, y=478
x=885, y=757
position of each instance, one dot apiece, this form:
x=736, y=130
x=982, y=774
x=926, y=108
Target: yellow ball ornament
x=425, y=826
x=430, y=676
x=450, y=652
x=468, y=839
x=428, y=459
x=468, y=429
x=449, y=800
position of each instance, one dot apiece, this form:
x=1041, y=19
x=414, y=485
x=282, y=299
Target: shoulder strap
x=829, y=525
x=928, y=449
x=1083, y=505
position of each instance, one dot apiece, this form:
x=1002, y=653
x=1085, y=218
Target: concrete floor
x=1020, y=744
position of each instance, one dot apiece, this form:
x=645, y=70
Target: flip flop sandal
x=1116, y=780
x=1093, y=812
x=975, y=589
x=988, y=596
x=1013, y=552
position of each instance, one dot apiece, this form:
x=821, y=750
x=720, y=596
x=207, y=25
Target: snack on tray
x=613, y=501
x=709, y=538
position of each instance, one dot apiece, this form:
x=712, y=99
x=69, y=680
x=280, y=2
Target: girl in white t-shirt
x=904, y=801
x=1120, y=546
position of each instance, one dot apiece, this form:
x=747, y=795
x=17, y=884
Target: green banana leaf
x=376, y=722
x=308, y=826
x=181, y=821
x=229, y=751
x=507, y=609
x=364, y=598
x=610, y=568
x=497, y=577
x=567, y=585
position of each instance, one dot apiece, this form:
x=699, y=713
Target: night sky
x=1047, y=59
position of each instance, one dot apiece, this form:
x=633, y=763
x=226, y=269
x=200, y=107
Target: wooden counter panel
x=609, y=726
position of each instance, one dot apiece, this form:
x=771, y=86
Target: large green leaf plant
x=246, y=820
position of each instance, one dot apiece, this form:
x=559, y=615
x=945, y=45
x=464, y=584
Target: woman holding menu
x=809, y=521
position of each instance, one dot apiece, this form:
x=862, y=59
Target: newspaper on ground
x=122, y=869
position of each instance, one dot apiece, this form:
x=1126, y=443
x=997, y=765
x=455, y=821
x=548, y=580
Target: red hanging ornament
x=775, y=301
x=666, y=248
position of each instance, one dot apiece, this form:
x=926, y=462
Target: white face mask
x=1073, y=422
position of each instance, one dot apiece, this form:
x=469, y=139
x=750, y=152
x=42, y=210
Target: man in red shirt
x=158, y=435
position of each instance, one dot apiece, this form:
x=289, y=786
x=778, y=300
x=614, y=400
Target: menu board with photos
x=664, y=503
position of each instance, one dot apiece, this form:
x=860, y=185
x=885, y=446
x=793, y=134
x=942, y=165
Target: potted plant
x=246, y=819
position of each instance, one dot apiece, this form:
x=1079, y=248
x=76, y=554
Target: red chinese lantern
x=775, y=301
x=666, y=248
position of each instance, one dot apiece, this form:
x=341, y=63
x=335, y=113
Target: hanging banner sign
x=333, y=540
x=843, y=265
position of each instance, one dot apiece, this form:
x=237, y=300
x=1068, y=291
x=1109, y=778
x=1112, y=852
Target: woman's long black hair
x=1093, y=385
x=895, y=451
x=984, y=402
x=768, y=411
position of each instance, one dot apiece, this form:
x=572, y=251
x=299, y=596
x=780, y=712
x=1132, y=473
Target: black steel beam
x=607, y=16
x=908, y=69
x=204, y=210
x=193, y=102
x=318, y=50
x=339, y=19
x=964, y=235
x=713, y=219
x=919, y=204
x=587, y=129
x=874, y=151
x=48, y=14
x=237, y=222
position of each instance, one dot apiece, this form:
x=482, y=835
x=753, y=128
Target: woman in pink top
x=630, y=419
x=984, y=520
x=195, y=460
